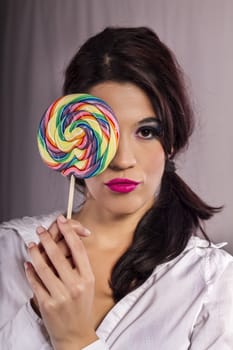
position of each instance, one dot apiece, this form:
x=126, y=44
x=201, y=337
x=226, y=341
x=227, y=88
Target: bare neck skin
x=109, y=230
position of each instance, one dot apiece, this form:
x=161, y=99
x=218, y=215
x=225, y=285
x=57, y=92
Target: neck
x=109, y=229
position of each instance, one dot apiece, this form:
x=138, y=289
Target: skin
x=69, y=275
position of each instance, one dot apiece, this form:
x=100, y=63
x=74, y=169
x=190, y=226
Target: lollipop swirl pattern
x=78, y=135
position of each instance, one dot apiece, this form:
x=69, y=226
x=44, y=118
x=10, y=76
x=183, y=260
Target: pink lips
x=122, y=185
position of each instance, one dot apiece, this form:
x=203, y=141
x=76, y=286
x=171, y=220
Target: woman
x=139, y=277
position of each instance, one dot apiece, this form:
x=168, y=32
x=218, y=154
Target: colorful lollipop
x=78, y=136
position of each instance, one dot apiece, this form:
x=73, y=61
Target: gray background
x=38, y=37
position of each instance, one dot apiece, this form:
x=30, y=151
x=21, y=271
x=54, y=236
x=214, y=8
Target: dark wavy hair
x=137, y=55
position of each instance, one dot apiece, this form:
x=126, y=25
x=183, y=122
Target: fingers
x=64, y=249
x=77, y=226
x=39, y=290
x=58, y=264
x=62, y=265
x=58, y=237
x=53, y=284
x=75, y=245
x=61, y=277
x=54, y=232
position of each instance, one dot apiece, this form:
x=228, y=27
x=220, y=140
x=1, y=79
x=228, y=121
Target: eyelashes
x=148, y=132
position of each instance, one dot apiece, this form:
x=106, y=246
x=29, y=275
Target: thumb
x=75, y=225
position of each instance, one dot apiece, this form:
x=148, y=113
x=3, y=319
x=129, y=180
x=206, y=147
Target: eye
x=149, y=132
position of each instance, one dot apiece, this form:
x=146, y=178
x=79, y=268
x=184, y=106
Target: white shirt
x=186, y=304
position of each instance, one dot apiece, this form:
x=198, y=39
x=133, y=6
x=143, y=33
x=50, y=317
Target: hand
x=65, y=298
x=59, y=239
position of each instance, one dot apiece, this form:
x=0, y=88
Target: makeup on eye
x=149, y=128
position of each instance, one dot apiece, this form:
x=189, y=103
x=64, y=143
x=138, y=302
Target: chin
x=128, y=208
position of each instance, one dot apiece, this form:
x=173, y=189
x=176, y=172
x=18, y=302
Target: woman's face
x=140, y=156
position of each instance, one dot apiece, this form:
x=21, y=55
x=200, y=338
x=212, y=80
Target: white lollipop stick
x=71, y=197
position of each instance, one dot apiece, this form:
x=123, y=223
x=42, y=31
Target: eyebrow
x=149, y=120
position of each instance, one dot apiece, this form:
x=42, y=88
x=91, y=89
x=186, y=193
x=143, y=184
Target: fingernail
x=62, y=219
x=31, y=244
x=87, y=232
x=40, y=230
x=26, y=265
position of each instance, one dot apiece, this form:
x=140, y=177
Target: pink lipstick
x=122, y=185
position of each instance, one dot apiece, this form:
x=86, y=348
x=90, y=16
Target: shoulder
x=214, y=252
x=213, y=321
x=202, y=262
x=24, y=228
x=214, y=262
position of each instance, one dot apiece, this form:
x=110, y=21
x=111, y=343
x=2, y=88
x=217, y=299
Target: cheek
x=154, y=163
x=93, y=185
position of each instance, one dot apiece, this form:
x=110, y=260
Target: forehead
x=129, y=103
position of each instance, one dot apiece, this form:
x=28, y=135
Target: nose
x=125, y=156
